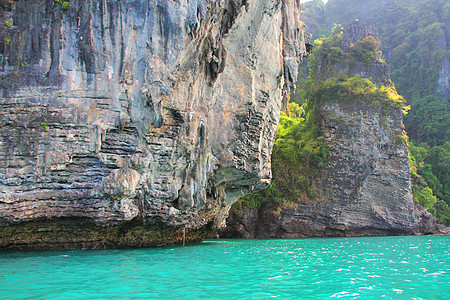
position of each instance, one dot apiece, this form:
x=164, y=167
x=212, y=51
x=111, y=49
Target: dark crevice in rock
x=201, y=136
x=231, y=11
x=55, y=37
x=215, y=53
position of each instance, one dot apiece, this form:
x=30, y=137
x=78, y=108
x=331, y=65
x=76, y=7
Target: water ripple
x=352, y=268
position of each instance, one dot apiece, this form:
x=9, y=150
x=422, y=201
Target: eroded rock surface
x=119, y=117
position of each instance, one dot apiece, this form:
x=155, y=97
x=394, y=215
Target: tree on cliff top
x=326, y=82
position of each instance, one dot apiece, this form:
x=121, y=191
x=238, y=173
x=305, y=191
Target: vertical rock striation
x=124, y=121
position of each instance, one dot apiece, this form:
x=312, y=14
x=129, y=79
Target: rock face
x=444, y=72
x=124, y=121
x=366, y=183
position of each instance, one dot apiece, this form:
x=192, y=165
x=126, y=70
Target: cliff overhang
x=158, y=113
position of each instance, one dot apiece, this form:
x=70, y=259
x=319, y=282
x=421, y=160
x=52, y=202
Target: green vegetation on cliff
x=356, y=89
x=329, y=51
x=414, y=37
x=299, y=151
x=297, y=156
x=325, y=82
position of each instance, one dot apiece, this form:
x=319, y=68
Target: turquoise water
x=350, y=268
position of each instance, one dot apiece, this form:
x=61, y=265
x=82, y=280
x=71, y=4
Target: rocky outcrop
x=444, y=79
x=444, y=72
x=365, y=186
x=366, y=183
x=123, y=120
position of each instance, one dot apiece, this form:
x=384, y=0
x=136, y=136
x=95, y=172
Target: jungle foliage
x=431, y=178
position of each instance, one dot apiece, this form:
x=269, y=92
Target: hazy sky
x=303, y=1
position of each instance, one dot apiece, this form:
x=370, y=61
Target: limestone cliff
x=365, y=186
x=124, y=121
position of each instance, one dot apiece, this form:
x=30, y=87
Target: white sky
x=303, y=1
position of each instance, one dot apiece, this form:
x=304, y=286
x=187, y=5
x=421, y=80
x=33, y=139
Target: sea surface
x=409, y=267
